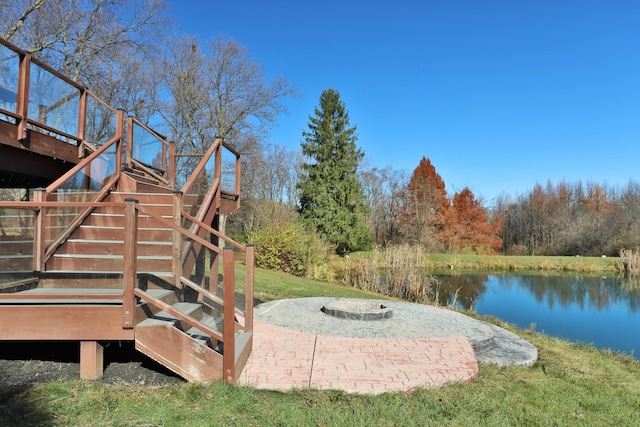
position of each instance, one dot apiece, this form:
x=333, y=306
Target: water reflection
x=584, y=292
x=604, y=311
x=461, y=290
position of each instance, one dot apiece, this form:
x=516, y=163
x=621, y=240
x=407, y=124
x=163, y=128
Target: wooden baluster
x=39, y=195
x=23, y=95
x=248, y=297
x=172, y=164
x=229, y=330
x=177, y=237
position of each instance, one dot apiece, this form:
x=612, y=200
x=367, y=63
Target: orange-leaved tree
x=422, y=216
x=468, y=226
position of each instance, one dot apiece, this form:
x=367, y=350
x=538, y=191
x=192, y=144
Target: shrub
x=291, y=248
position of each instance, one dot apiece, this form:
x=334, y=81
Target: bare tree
x=83, y=39
x=218, y=90
x=268, y=188
x=19, y=20
x=382, y=189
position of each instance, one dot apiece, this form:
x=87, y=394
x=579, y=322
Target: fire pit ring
x=357, y=310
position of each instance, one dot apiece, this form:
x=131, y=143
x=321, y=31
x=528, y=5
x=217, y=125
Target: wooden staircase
x=180, y=327
x=97, y=244
x=113, y=250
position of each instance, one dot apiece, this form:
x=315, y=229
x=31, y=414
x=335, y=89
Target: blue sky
x=498, y=94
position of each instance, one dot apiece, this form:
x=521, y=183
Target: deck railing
x=232, y=299
x=88, y=181
x=151, y=152
x=35, y=96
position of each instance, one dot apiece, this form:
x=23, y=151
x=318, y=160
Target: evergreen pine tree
x=331, y=197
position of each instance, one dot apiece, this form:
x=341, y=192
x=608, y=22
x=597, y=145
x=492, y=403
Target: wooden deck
x=109, y=248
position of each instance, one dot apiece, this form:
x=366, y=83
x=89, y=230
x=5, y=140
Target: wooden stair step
x=16, y=262
x=102, y=262
x=163, y=317
x=16, y=247
x=105, y=273
x=215, y=323
x=144, y=198
x=89, y=232
x=161, y=294
x=115, y=247
x=56, y=293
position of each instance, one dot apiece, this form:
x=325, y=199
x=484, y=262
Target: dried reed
x=630, y=261
x=398, y=271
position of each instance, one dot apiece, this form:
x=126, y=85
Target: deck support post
x=91, y=360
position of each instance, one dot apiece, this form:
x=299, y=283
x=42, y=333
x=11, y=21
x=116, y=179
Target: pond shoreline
x=528, y=263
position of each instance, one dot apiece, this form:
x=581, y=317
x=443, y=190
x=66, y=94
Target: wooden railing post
x=82, y=122
x=172, y=164
x=177, y=237
x=22, y=108
x=129, y=157
x=130, y=272
x=214, y=266
x=39, y=195
x=229, y=329
x=237, y=188
x=248, y=296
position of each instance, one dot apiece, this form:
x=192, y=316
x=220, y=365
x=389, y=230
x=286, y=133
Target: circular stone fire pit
x=357, y=310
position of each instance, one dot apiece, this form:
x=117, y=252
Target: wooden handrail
x=78, y=167
x=198, y=169
x=178, y=314
x=173, y=226
x=207, y=294
x=213, y=231
x=149, y=170
x=79, y=219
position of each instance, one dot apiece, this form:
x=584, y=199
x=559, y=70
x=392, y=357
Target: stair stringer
x=188, y=357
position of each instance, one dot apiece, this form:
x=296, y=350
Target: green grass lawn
x=569, y=386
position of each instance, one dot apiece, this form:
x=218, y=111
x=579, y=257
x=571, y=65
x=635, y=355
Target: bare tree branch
x=20, y=22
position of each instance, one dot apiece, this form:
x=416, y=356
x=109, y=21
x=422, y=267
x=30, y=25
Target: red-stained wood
x=63, y=322
x=191, y=359
x=122, y=239
x=39, y=235
x=38, y=143
x=91, y=360
x=130, y=270
x=249, y=290
x=229, y=332
x=22, y=99
x=176, y=247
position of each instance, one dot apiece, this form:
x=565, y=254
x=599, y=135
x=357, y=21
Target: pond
x=602, y=311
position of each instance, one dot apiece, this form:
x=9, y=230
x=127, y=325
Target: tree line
x=571, y=219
